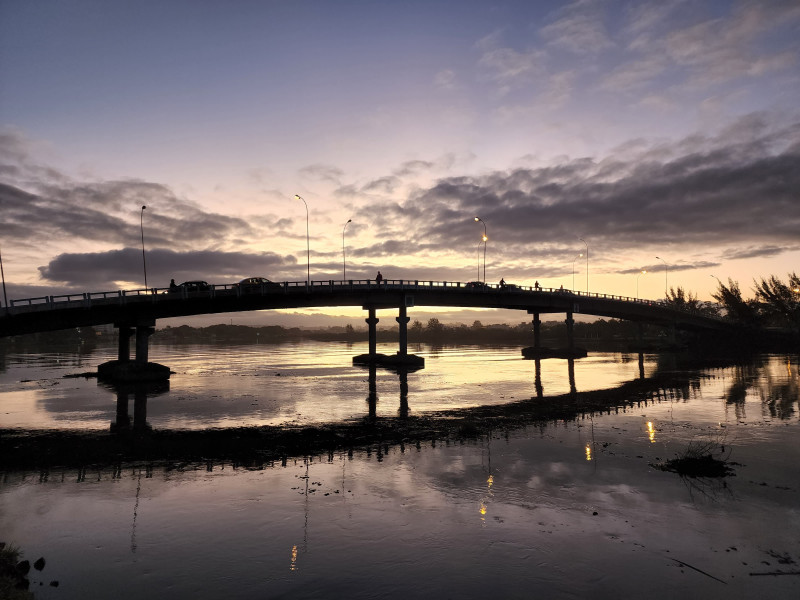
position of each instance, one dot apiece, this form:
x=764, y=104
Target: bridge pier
x=143, y=333
x=538, y=352
x=400, y=360
x=139, y=369
x=402, y=322
x=570, y=332
x=124, y=343
x=372, y=322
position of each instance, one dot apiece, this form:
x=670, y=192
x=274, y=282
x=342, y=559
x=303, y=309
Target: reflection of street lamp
x=308, y=245
x=3, y=275
x=637, y=282
x=144, y=263
x=587, y=263
x=573, y=269
x=485, y=239
x=344, y=259
x=666, y=275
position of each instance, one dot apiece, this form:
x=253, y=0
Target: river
x=481, y=475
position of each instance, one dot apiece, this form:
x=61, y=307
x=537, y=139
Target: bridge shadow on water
x=131, y=440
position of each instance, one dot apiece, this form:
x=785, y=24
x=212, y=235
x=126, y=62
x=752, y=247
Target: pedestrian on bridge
x=379, y=278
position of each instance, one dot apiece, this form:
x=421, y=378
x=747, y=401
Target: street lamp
x=573, y=269
x=3, y=275
x=587, y=264
x=485, y=239
x=141, y=227
x=308, y=245
x=344, y=259
x=643, y=272
x=666, y=275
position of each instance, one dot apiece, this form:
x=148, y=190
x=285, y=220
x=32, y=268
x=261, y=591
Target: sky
x=657, y=136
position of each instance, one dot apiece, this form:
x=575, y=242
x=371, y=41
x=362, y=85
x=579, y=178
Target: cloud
x=101, y=270
x=445, y=80
x=667, y=39
x=729, y=195
x=757, y=252
x=659, y=267
x=320, y=172
x=42, y=206
x=736, y=188
x=507, y=68
x=581, y=30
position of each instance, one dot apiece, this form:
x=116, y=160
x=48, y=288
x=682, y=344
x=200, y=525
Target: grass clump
x=13, y=571
x=699, y=460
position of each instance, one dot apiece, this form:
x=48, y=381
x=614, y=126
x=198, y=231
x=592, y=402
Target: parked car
x=256, y=284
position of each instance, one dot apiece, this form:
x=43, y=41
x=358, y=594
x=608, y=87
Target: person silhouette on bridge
x=379, y=278
x=502, y=282
x=536, y=285
x=172, y=285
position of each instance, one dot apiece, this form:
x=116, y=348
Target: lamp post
x=639, y=274
x=3, y=276
x=344, y=259
x=308, y=244
x=141, y=227
x=573, y=269
x=587, y=264
x=666, y=276
x=485, y=239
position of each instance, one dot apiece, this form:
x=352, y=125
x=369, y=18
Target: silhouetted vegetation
x=775, y=304
x=683, y=300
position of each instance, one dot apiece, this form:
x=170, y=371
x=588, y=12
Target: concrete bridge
x=136, y=311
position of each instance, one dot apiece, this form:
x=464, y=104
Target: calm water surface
x=556, y=509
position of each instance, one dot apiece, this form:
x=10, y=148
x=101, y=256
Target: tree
x=683, y=300
x=780, y=302
x=736, y=307
x=434, y=326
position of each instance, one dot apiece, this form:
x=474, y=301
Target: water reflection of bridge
x=132, y=440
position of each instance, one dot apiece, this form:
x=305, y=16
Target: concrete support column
x=143, y=333
x=537, y=328
x=372, y=321
x=570, y=332
x=124, y=349
x=403, y=320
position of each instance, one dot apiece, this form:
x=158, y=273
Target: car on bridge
x=256, y=284
x=476, y=285
x=192, y=286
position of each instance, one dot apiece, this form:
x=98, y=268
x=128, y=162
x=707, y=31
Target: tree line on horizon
x=775, y=303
